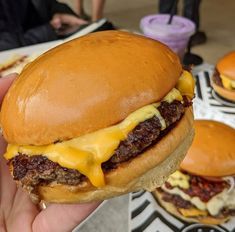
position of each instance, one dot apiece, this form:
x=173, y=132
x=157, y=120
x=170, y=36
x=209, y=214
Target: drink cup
x=175, y=35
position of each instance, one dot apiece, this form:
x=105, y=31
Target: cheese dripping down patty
x=225, y=199
x=86, y=153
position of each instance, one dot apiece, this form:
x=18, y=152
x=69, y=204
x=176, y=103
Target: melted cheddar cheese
x=86, y=153
x=186, y=84
x=227, y=82
x=192, y=212
x=179, y=179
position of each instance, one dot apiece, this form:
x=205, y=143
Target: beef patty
x=217, y=79
x=38, y=169
x=202, y=188
x=179, y=202
x=176, y=200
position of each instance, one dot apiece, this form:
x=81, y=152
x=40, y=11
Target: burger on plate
x=97, y=117
x=223, y=80
x=15, y=64
x=203, y=189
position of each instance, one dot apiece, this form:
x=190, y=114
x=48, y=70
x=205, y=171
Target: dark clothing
x=190, y=11
x=26, y=22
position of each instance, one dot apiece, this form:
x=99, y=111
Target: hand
x=18, y=213
x=66, y=23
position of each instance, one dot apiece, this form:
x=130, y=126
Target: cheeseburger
x=203, y=189
x=97, y=117
x=223, y=80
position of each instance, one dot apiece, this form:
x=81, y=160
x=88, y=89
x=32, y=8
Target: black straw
x=174, y=5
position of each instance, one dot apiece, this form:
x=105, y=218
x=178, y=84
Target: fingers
x=5, y=83
x=72, y=20
x=22, y=213
x=56, y=21
x=67, y=19
x=7, y=185
x=62, y=217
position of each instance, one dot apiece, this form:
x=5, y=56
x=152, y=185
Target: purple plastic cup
x=175, y=35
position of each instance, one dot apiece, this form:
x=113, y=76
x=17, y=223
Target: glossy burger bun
x=202, y=219
x=226, y=67
x=92, y=83
x=225, y=93
x=146, y=171
x=87, y=84
x=212, y=151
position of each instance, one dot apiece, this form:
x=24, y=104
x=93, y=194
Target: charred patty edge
x=179, y=202
x=31, y=171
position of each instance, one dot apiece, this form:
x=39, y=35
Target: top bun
x=226, y=65
x=212, y=152
x=86, y=84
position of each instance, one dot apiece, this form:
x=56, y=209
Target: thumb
x=72, y=20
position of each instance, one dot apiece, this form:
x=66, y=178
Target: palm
x=18, y=213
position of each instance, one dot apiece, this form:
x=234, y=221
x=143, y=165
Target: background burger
x=223, y=80
x=203, y=189
x=97, y=117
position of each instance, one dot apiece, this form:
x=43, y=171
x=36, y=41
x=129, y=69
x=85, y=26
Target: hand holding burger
x=18, y=213
x=98, y=117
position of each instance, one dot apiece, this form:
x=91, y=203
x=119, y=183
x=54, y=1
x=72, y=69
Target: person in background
x=18, y=213
x=97, y=10
x=191, y=11
x=27, y=22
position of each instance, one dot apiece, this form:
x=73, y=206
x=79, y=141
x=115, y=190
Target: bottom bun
x=202, y=219
x=225, y=93
x=146, y=171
